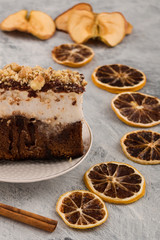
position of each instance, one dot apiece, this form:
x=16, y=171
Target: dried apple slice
x=62, y=20
x=38, y=24
x=41, y=25
x=111, y=28
x=16, y=21
x=81, y=25
x=129, y=28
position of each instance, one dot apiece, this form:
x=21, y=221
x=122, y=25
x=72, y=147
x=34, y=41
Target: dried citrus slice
x=62, y=20
x=81, y=209
x=72, y=55
x=137, y=109
x=115, y=182
x=142, y=146
x=117, y=78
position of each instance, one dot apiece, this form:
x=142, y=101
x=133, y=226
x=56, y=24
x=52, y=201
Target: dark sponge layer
x=27, y=138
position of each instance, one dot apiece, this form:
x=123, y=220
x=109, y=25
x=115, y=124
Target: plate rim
x=81, y=159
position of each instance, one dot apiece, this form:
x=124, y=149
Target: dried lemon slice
x=72, y=55
x=115, y=182
x=137, y=109
x=81, y=209
x=142, y=146
x=117, y=78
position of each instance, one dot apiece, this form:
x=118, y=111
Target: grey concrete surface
x=140, y=220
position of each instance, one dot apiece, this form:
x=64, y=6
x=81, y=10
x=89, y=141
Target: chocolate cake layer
x=28, y=138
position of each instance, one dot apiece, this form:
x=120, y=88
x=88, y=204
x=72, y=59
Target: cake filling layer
x=52, y=108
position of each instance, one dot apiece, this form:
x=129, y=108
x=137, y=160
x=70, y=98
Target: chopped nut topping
x=15, y=67
x=37, y=83
x=36, y=77
x=22, y=73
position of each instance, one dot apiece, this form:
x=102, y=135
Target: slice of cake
x=41, y=113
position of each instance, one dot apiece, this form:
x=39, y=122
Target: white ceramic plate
x=34, y=171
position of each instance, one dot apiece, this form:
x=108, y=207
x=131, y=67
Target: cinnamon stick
x=29, y=218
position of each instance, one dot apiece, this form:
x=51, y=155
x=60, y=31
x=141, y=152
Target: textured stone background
x=140, y=220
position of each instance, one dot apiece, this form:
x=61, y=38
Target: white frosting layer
x=49, y=106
